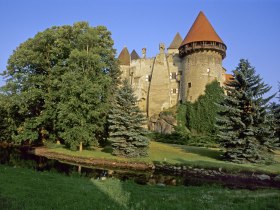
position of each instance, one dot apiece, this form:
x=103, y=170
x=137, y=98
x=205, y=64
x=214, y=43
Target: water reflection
x=22, y=157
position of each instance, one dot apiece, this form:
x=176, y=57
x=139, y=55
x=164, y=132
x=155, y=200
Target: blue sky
x=249, y=28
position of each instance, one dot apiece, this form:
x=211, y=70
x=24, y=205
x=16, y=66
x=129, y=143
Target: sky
x=249, y=28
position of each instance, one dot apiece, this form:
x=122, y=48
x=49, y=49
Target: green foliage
x=195, y=121
x=201, y=115
x=179, y=136
x=181, y=115
x=182, y=136
x=60, y=84
x=126, y=121
x=4, y=126
x=56, y=191
x=275, y=120
x=244, y=126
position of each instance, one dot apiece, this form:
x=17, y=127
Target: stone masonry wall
x=201, y=68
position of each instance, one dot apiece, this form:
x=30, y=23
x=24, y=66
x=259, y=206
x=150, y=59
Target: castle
x=179, y=74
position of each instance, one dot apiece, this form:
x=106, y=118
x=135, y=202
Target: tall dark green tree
x=275, y=120
x=61, y=83
x=243, y=122
x=126, y=132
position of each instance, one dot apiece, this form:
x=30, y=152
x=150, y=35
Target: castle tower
x=134, y=55
x=175, y=44
x=124, y=62
x=202, y=52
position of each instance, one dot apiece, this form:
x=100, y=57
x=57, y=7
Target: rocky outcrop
x=162, y=123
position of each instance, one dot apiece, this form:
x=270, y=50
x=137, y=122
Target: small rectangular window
x=174, y=91
x=189, y=85
x=173, y=75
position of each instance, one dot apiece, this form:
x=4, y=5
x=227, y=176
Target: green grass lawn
x=177, y=154
x=22, y=188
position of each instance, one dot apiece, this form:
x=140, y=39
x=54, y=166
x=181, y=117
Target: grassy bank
x=26, y=189
x=177, y=154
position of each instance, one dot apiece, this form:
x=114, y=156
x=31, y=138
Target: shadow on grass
x=107, y=149
x=210, y=153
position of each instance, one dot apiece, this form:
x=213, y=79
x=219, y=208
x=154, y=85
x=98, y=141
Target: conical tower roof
x=134, y=55
x=124, y=57
x=201, y=30
x=175, y=44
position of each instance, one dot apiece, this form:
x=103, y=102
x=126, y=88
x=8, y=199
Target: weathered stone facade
x=178, y=74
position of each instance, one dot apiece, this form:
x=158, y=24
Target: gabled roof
x=124, y=57
x=175, y=44
x=134, y=55
x=201, y=30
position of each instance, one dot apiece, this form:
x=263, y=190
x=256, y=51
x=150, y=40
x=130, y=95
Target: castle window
x=174, y=91
x=148, y=78
x=173, y=75
x=189, y=85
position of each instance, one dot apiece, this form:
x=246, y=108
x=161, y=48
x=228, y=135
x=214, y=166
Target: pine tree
x=275, y=121
x=126, y=132
x=243, y=122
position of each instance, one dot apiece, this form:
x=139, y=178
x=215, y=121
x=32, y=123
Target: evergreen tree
x=275, y=121
x=243, y=122
x=126, y=121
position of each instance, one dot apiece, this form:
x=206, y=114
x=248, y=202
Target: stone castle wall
x=162, y=81
x=200, y=69
x=155, y=81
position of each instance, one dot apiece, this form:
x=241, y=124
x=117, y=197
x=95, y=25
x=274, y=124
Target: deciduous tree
x=61, y=83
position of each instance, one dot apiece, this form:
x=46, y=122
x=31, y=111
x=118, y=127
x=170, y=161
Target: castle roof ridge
x=124, y=57
x=177, y=40
x=201, y=30
x=134, y=55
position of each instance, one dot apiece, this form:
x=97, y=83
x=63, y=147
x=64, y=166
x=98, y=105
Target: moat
x=161, y=175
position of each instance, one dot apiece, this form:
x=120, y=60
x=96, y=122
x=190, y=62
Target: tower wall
x=200, y=68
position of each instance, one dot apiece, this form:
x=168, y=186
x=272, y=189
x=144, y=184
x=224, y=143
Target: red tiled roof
x=201, y=30
x=228, y=78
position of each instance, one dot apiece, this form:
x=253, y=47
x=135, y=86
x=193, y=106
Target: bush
x=182, y=136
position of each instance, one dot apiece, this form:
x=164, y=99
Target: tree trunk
x=81, y=146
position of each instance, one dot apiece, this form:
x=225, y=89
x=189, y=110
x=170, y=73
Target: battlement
x=203, y=45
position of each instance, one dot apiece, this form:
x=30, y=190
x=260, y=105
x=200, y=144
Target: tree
x=243, y=122
x=201, y=115
x=126, y=121
x=275, y=120
x=61, y=83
